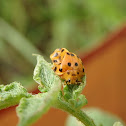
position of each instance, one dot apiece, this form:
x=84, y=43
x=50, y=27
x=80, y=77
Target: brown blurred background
x=41, y=26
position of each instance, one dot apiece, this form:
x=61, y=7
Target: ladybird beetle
x=67, y=65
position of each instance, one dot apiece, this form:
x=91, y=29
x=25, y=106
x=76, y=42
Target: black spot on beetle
x=55, y=55
x=62, y=50
x=60, y=69
x=68, y=73
x=72, y=54
x=69, y=64
x=73, y=74
x=68, y=53
x=83, y=69
x=69, y=80
x=77, y=80
x=54, y=61
x=55, y=69
x=76, y=64
x=77, y=72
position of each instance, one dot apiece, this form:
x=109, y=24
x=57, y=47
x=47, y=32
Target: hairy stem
x=79, y=114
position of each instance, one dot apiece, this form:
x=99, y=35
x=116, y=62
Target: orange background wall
x=106, y=83
x=106, y=78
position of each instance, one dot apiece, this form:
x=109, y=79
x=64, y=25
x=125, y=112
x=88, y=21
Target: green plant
x=31, y=107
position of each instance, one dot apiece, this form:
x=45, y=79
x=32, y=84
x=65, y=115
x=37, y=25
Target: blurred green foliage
x=40, y=26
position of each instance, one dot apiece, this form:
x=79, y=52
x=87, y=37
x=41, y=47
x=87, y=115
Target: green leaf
x=11, y=94
x=31, y=109
x=72, y=94
x=100, y=117
x=117, y=124
x=81, y=101
x=43, y=73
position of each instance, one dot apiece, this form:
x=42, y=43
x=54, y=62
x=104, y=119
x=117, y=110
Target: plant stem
x=79, y=114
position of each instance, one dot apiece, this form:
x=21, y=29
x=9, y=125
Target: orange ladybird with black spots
x=67, y=65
